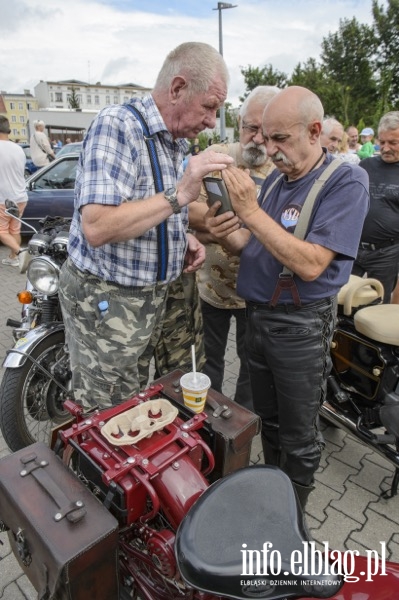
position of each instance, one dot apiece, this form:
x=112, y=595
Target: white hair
x=262, y=93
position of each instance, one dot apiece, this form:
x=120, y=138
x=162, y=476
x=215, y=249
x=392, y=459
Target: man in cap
x=367, y=149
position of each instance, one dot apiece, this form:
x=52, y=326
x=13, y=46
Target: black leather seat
x=252, y=506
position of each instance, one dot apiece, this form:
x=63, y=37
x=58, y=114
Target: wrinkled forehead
x=279, y=116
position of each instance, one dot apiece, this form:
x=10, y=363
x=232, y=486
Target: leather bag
x=64, y=539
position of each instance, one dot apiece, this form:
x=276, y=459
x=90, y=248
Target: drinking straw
x=194, y=361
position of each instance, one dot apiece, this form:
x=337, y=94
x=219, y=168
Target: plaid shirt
x=114, y=167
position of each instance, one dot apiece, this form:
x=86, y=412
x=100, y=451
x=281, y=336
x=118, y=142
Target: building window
x=12, y=105
x=22, y=119
x=58, y=96
x=20, y=106
x=13, y=119
x=15, y=132
x=23, y=131
x=96, y=99
x=116, y=99
x=107, y=100
x=88, y=99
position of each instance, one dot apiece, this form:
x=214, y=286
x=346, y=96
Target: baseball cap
x=367, y=131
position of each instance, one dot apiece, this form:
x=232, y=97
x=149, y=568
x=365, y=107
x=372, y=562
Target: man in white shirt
x=12, y=187
x=40, y=148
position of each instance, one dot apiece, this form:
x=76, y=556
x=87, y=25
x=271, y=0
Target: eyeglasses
x=253, y=129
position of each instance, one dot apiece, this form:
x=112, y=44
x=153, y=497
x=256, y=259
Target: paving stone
x=336, y=474
x=335, y=529
x=354, y=501
x=352, y=452
x=321, y=497
x=376, y=529
x=370, y=476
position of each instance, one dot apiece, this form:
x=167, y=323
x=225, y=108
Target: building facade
x=16, y=108
x=80, y=94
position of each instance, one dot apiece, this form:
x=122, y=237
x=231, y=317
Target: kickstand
x=394, y=487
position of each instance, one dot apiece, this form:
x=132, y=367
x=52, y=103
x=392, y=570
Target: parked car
x=69, y=149
x=30, y=167
x=51, y=191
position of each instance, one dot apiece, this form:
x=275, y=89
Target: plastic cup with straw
x=195, y=386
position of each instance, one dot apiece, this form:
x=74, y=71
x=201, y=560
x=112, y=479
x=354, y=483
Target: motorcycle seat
x=359, y=291
x=380, y=323
x=239, y=539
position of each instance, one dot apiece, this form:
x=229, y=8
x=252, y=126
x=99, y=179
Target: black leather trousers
x=289, y=361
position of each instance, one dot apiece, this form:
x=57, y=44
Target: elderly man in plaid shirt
x=111, y=291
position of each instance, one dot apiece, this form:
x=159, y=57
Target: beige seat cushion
x=380, y=323
x=359, y=291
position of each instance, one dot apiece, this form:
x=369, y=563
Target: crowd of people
x=152, y=270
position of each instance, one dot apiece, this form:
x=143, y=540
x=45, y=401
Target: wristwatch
x=171, y=196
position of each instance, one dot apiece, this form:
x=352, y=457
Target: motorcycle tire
x=30, y=402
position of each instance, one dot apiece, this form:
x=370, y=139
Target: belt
x=252, y=306
x=122, y=289
x=371, y=246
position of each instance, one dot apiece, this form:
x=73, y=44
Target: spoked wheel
x=31, y=402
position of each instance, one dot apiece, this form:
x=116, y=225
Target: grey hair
x=328, y=125
x=38, y=123
x=262, y=93
x=197, y=62
x=389, y=121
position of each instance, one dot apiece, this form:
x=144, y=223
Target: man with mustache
x=217, y=278
x=291, y=316
x=378, y=254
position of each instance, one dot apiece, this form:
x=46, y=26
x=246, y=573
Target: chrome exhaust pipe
x=328, y=412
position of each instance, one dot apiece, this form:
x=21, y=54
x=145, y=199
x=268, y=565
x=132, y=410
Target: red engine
x=148, y=486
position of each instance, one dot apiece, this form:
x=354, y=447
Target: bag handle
x=73, y=511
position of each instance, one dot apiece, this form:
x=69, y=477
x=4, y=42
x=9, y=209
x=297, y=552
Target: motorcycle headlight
x=43, y=273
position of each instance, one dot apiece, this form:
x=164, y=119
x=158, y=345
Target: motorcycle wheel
x=30, y=402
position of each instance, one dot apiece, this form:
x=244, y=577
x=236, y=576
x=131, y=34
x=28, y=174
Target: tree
x=386, y=28
x=254, y=76
x=73, y=99
x=348, y=58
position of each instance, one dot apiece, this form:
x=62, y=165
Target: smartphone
x=216, y=190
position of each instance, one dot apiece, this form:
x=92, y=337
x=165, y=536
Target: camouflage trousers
x=181, y=328
x=105, y=347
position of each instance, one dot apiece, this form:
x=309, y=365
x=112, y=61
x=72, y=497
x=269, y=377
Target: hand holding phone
x=216, y=190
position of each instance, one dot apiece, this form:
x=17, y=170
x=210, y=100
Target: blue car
x=30, y=167
x=51, y=192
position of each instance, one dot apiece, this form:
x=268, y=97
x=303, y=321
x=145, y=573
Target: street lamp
x=222, y=6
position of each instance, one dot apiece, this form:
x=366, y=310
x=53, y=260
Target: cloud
x=117, y=41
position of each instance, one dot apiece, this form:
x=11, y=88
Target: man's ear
x=314, y=130
x=176, y=87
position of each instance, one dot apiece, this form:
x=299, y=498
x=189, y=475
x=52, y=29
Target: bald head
x=291, y=128
x=297, y=103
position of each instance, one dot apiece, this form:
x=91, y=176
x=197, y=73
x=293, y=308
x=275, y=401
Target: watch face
x=170, y=192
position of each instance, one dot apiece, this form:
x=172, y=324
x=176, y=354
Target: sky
x=125, y=41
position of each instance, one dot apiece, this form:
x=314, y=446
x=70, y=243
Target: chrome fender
x=17, y=356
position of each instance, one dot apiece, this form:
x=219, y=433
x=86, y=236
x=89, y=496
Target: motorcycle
x=180, y=534
x=36, y=377
x=363, y=387
x=362, y=392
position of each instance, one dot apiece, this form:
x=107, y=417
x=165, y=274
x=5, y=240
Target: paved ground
x=346, y=508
